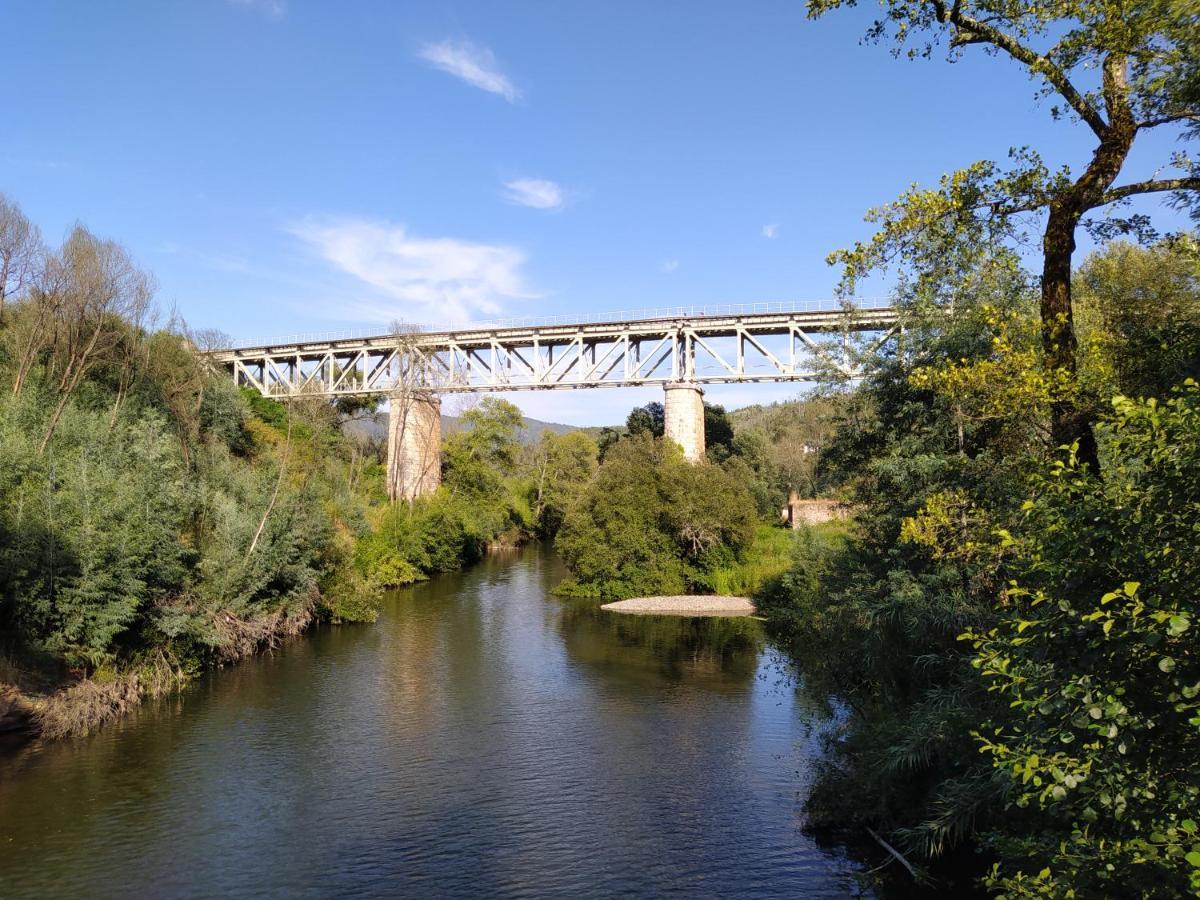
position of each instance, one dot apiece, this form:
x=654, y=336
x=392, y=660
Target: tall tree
x=20, y=252
x=562, y=466
x=649, y=419
x=1117, y=69
x=101, y=290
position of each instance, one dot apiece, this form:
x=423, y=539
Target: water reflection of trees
x=720, y=654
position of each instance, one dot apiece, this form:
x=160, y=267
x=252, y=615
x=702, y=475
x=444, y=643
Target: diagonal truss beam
x=705, y=349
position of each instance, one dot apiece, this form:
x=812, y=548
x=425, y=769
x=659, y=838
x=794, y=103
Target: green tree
x=649, y=419
x=1118, y=70
x=649, y=522
x=1143, y=307
x=491, y=431
x=875, y=621
x=718, y=433
x=1095, y=659
x=562, y=465
x=606, y=441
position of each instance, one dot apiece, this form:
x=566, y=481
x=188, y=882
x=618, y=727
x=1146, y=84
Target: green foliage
x=1071, y=600
x=561, y=466
x=1147, y=56
x=605, y=442
x=1141, y=307
x=718, y=433
x=412, y=542
x=874, y=618
x=1121, y=72
x=1095, y=659
x=649, y=419
x=484, y=500
x=475, y=462
x=768, y=557
x=780, y=443
x=112, y=544
x=151, y=514
x=223, y=415
x=650, y=523
x=89, y=534
x=491, y=430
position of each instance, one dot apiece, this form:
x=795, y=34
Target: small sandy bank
x=687, y=605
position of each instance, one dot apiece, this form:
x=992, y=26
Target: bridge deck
x=780, y=345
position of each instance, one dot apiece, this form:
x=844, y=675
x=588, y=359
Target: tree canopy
x=1114, y=69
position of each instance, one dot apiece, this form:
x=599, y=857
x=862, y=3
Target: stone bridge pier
x=683, y=415
x=414, y=457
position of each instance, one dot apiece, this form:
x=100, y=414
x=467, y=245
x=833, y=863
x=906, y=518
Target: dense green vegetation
x=1009, y=628
x=651, y=523
x=155, y=520
x=495, y=493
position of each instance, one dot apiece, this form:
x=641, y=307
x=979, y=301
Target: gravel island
x=686, y=605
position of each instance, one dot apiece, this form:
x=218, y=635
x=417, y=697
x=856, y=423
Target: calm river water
x=483, y=738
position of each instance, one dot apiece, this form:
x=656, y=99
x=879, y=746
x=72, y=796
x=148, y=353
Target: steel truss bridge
x=788, y=341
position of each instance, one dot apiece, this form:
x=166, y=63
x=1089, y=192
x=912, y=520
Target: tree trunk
x=1068, y=423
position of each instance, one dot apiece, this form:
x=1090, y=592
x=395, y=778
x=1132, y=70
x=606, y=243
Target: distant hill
x=375, y=427
x=807, y=420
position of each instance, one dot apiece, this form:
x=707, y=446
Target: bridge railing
x=764, y=307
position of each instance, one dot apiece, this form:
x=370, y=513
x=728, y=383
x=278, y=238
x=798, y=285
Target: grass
x=769, y=556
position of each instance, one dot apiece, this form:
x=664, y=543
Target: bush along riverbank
x=1011, y=628
x=156, y=521
x=650, y=523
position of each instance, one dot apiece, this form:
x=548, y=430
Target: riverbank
x=482, y=738
x=53, y=703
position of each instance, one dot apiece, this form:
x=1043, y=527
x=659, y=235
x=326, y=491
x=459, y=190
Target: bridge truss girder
x=704, y=350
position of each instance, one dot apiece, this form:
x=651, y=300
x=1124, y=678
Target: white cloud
x=272, y=9
x=436, y=280
x=770, y=231
x=539, y=193
x=473, y=64
x=668, y=266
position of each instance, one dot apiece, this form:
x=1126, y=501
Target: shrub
x=651, y=523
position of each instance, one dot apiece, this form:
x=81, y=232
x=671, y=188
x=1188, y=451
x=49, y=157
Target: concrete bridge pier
x=414, y=457
x=683, y=414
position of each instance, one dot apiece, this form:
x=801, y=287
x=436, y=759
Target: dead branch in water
x=892, y=850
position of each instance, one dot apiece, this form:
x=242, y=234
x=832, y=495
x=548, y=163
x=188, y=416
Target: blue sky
x=295, y=165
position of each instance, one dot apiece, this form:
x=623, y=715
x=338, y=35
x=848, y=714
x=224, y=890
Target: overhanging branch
x=1168, y=119
x=972, y=31
x=1153, y=186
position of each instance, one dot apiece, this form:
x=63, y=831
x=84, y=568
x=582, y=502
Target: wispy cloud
x=436, y=279
x=32, y=163
x=668, y=266
x=473, y=64
x=272, y=9
x=770, y=231
x=540, y=193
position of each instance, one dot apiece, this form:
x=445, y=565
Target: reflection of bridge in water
x=681, y=349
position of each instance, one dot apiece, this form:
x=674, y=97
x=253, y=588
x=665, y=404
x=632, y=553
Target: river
x=483, y=738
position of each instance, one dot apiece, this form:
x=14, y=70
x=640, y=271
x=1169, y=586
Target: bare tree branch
x=1193, y=116
x=1152, y=186
x=973, y=31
